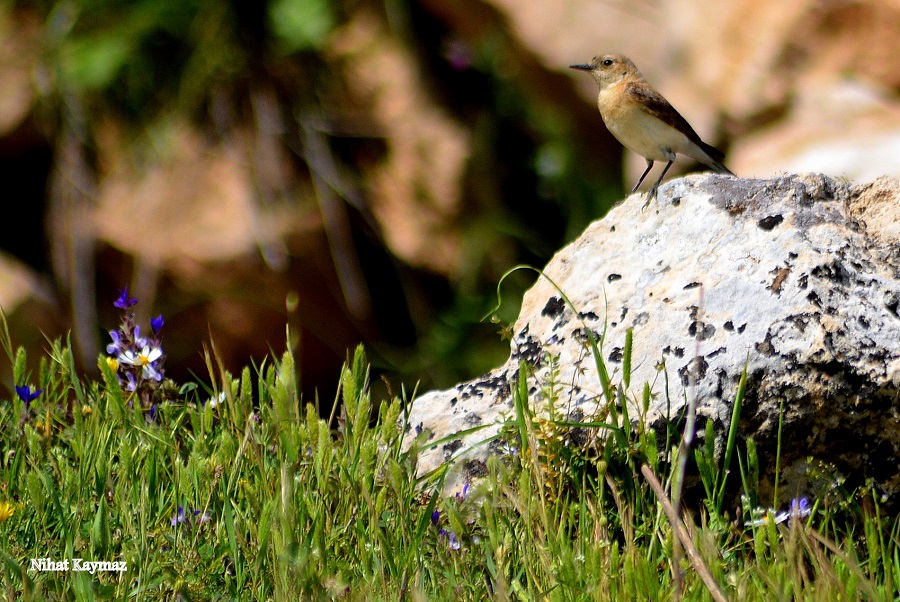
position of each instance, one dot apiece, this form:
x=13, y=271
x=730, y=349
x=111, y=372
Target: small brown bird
x=643, y=121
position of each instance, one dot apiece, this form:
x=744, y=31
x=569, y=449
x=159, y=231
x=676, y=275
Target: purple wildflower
x=139, y=341
x=182, y=517
x=462, y=495
x=137, y=360
x=130, y=383
x=799, y=507
x=124, y=301
x=26, y=394
x=114, y=348
x=452, y=541
x=179, y=517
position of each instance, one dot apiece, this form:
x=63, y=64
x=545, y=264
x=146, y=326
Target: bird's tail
x=712, y=158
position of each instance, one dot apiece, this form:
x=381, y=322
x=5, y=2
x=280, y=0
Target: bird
x=642, y=119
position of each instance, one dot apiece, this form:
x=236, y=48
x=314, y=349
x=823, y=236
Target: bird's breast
x=636, y=129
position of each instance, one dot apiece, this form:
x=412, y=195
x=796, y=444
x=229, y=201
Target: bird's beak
x=582, y=67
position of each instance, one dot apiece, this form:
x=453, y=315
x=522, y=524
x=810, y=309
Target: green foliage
x=301, y=24
x=258, y=497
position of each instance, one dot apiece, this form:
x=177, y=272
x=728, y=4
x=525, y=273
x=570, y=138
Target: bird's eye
x=607, y=62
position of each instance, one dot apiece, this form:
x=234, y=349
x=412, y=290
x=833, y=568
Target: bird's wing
x=652, y=102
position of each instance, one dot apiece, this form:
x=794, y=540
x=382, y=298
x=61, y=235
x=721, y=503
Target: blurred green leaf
x=301, y=24
x=93, y=63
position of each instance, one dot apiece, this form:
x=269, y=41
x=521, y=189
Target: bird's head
x=608, y=69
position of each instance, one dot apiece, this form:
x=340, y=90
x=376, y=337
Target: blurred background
x=366, y=171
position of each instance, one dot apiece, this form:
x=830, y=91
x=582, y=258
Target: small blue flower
x=452, y=542
x=114, y=348
x=139, y=341
x=462, y=495
x=156, y=323
x=130, y=382
x=188, y=517
x=799, y=507
x=179, y=517
x=124, y=301
x=27, y=395
x=435, y=517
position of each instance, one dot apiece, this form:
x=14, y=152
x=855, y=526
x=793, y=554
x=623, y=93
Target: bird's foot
x=651, y=194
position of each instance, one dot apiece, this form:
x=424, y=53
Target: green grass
x=279, y=503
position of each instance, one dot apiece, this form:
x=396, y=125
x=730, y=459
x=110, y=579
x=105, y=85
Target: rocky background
x=367, y=171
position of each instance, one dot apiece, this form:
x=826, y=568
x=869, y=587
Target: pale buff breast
x=638, y=131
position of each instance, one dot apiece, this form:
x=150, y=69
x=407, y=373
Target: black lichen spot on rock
x=729, y=326
x=497, y=383
x=803, y=281
x=583, y=335
x=498, y=447
x=452, y=446
x=554, y=307
x=588, y=315
x=471, y=391
x=691, y=285
x=677, y=351
x=701, y=331
x=768, y=223
x=742, y=328
x=813, y=298
x=616, y=355
x=641, y=319
x=801, y=321
x=474, y=419
x=833, y=271
x=528, y=350
x=721, y=380
x=694, y=369
x=863, y=322
x=765, y=347
x=474, y=469
x=613, y=277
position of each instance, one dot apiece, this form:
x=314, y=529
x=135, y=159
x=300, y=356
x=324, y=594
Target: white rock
x=796, y=276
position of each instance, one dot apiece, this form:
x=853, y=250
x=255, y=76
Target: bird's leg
x=651, y=194
x=644, y=175
x=655, y=188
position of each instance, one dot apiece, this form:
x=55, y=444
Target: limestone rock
x=797, y=277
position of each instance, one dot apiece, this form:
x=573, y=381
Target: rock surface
x=797, y=277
